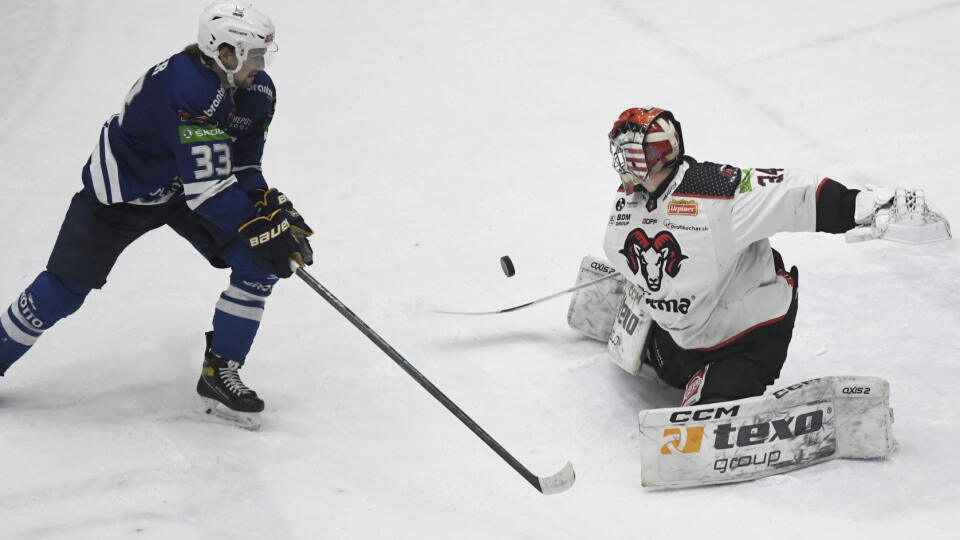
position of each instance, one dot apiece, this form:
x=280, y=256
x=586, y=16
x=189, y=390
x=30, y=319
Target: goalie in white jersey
x=693, y=238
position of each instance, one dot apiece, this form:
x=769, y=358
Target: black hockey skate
x=223, y=393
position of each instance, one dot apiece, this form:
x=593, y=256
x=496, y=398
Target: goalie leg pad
x=790, y=428
x=632, y=329
x=593, y=309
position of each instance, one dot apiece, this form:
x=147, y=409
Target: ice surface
x=423, y=140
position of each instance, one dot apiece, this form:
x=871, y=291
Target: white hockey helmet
x=240, y=25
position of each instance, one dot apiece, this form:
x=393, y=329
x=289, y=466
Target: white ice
x=424, y=140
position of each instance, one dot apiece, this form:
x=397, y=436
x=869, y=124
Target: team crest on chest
x=652, y=257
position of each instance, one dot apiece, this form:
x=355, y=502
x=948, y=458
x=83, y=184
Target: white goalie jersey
x=699, y=250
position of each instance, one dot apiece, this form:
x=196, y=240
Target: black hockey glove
x=271, y=200
x=272, y=243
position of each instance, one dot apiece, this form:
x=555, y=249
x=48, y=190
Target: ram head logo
x=652, y=258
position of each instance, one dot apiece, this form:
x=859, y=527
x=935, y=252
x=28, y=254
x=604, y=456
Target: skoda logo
x=187, y=133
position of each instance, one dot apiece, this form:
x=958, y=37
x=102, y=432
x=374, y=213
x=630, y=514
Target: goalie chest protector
x=681, y=249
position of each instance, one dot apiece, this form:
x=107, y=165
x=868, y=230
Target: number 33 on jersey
x=182, y=136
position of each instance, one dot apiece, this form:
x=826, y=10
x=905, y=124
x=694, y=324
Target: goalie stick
x=560, y=481
x=532, y=302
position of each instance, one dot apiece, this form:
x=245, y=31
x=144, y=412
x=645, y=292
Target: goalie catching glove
x=269, y=201
x=273, y=244
x=901, y=215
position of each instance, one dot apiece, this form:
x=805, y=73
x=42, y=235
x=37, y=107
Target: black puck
x=507, y=266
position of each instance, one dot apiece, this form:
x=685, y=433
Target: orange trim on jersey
x=822, y=182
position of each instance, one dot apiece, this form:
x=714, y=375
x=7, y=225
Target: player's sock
x=12, y=348
x=235, y=323
x=47, y=300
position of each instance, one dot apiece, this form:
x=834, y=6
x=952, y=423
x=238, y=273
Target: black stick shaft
x=424, y=382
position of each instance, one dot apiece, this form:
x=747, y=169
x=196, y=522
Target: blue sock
x=47, y=300
x=11, y=349
x=236, y=320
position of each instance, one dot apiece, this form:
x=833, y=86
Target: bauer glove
x=272, y=243
x=269, y=201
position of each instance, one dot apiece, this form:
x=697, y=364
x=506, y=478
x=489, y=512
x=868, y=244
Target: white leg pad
x=593, y=309
x=798, y=426
x=628, y=338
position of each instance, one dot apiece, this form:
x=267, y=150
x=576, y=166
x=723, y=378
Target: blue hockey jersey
x=182, y=136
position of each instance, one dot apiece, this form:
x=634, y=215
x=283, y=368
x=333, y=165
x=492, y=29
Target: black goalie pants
x=742, y=368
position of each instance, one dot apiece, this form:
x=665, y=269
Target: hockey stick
x=532, y=302
x=547, y=485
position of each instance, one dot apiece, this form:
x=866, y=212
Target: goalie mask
x=644, y=141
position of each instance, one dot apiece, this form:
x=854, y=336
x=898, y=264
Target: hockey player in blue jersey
x=184, y=152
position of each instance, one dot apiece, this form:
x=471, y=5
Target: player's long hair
x=193, y=50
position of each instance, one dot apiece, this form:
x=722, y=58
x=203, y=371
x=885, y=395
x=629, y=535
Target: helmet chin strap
x=227, y=73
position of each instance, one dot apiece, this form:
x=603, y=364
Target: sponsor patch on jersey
x=241, y=122
x=217, y=100
x=263, y=89
x=195, y=134
x=681, y=305
x=683, y=207
x=730, y=172
x=674, y=226
x=746, y=185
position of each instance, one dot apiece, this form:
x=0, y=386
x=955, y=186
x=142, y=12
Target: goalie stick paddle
x=532, y=302
x=547, y=485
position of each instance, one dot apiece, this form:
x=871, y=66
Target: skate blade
x=215, y=409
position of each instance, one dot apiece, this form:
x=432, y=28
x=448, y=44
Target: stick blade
x=559, y=482
x=504, y=310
